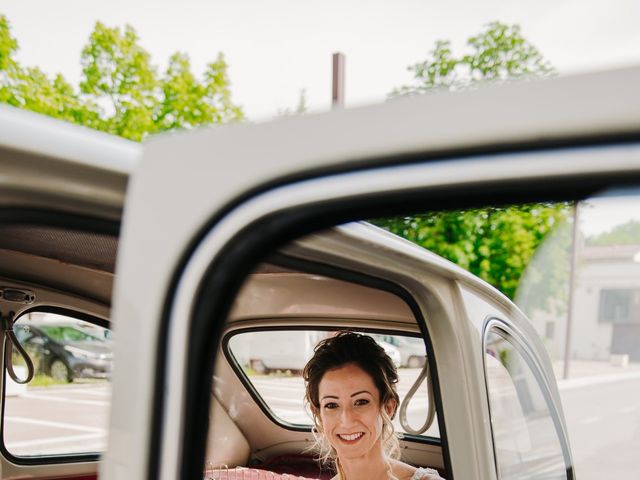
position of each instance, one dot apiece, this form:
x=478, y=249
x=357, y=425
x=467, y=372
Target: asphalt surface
x=603, y=420
x=57, y=419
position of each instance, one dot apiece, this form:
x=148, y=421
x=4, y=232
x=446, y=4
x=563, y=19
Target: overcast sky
x=275, y=48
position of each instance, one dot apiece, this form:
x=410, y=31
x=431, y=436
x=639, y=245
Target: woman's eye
x=330, y=405
x=361, y=401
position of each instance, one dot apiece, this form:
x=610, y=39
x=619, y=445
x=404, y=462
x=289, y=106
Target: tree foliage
x=30, y=88
x=121, y=91
x=624, y=234
x=299, y=109
x=498, y=53
x=494, y=243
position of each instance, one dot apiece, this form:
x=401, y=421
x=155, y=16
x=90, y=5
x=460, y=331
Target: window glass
x=273, y=361
x=63, y=410
x=619, y=306
x=525, y=437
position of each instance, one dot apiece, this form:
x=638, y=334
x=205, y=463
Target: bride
x=351, y=389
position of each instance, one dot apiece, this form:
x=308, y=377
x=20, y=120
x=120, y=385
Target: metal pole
x=572, y=281
x=337, y=93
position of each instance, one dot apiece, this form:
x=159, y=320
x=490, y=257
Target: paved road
x=604, y=428
x=58, y=419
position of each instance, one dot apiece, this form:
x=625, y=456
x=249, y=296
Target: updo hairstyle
x=352, y=348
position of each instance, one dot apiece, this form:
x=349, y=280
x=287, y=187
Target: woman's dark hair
x=345, y=348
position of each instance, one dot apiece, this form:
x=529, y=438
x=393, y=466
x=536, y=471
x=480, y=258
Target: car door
x=61, y=196
x=206, y=207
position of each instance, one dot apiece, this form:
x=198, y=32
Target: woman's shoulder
x=426, y=474
x=405, y=471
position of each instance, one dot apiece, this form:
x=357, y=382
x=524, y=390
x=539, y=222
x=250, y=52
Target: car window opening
x=71, y=358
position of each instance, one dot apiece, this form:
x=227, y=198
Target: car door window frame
x=259, y=236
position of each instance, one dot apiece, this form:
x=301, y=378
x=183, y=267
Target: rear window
x=271, y=364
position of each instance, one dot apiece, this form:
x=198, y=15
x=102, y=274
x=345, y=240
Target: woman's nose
x=347, y=415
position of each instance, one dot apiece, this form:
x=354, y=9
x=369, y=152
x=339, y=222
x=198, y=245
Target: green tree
x=186, y=102
x=498, y=53
x=624, y=234
x=299, y=109
x=30, y=88
x=118, y=75
x=121, y=91
x=496, y=244
x=8, y=64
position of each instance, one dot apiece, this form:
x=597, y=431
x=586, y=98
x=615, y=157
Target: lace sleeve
x=426, y=474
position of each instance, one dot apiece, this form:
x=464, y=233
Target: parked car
x=65, y=352
x=412, y=350
x=392, y=351
x=256, y=228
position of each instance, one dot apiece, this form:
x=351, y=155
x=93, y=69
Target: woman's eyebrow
x=328, y=396
x=361, y=391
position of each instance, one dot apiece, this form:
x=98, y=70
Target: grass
x=41, y=380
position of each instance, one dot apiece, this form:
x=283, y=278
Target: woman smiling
x=351, y=390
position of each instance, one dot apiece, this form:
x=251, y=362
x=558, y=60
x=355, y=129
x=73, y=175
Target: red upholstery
x=302, y=465
x=250, y=474
x=289, y=467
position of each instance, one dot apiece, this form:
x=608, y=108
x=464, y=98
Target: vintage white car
x=191, y=242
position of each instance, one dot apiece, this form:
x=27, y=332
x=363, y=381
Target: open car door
x=62, y=192
x=206, y=208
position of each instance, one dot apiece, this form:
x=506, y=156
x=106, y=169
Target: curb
x=572, y=383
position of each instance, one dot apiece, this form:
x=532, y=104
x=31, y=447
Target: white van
x=266, y=352
x=269, y=351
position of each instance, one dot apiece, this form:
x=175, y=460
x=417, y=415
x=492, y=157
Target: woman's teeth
x=351, y=437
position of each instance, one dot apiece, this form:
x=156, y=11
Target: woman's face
x=350, y=414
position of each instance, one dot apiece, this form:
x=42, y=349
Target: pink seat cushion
x=289, y=467
x=250, y=474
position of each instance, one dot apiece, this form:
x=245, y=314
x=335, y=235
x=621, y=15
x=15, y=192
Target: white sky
x=276, y=48
x=598, y=215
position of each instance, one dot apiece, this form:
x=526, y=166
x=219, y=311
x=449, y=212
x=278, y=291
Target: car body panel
x=52, y=165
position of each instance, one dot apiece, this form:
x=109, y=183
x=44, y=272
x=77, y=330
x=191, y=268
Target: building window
x=619, y=306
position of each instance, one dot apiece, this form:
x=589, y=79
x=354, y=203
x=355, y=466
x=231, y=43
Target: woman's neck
x=375, y=468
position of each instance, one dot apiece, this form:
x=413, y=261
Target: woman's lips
x=350, y=437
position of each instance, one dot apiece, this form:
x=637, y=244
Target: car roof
x=59, y=176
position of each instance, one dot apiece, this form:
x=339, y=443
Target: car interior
x=59, y=276
x=259, y=421
x=56, y=279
